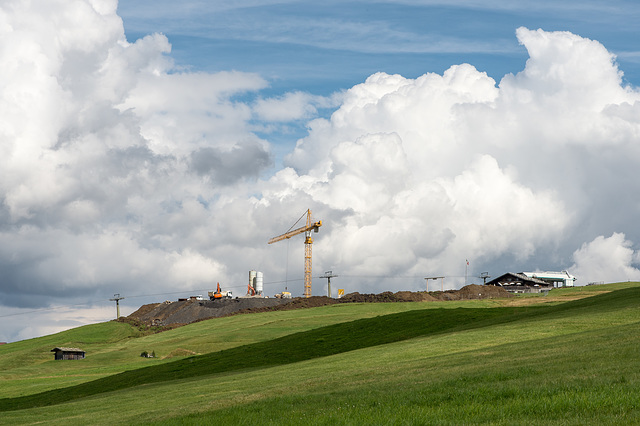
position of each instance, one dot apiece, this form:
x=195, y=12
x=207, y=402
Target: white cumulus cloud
x=606, y=259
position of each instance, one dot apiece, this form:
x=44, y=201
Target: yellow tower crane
x=308, y=241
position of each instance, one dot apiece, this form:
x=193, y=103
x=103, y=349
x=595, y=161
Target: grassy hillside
x=571, y=362
x=28, y=367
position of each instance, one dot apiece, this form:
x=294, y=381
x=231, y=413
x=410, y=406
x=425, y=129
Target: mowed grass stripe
x=585, y=378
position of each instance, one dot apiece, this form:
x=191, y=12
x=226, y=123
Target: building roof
x=61, y=349
x=551, y=275
x=518, y=276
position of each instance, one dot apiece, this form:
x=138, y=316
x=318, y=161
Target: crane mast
x=308, y=242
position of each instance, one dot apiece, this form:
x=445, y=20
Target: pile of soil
x=387, y=296
x=296, y=303
x=173, y=314
x=474, y=291
x=188, y=311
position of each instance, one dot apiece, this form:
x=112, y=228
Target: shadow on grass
x=320, y=342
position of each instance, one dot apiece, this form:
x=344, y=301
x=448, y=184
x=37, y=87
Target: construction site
x=222, y=302
x=174, y=314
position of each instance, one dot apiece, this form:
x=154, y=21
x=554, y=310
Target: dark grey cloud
x=226, y=167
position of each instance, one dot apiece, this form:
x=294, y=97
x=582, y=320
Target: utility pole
x=117, y=299
x=328, y=275
x=435, y=278
x=466, y=267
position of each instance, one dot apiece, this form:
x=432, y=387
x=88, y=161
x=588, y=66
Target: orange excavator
x=250, y=290
x=218, y=294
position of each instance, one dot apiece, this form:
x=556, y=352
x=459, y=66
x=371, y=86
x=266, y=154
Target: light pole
x=328, y=275
x=117, y=299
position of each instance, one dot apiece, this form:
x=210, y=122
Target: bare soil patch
x=179, y=352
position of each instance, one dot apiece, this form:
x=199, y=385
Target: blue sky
x=326, y=47
x=329, y=47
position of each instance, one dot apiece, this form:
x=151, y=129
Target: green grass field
x=572, y=357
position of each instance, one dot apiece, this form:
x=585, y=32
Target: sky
x=151, y=148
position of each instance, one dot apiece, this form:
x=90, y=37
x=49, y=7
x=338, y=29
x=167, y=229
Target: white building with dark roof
x=520, y=283
x=557, y=279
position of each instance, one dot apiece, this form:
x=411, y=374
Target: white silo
x=252, y=280
x=259, y=282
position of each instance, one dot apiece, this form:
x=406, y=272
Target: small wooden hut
x=68, y=353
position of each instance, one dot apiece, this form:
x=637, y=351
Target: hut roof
x=62, y=349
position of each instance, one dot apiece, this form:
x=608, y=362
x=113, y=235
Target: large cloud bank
x=121, y=173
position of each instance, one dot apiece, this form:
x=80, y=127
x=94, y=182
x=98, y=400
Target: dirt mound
x=144, y=309
x=172, y=314
x=409, y=296
x=356, y=297
x=472, y=291
x=387, y=296
x=188, y=311
x=475, y=291
x=297, y=303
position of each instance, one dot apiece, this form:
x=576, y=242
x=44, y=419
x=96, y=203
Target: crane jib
x=313, y=227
